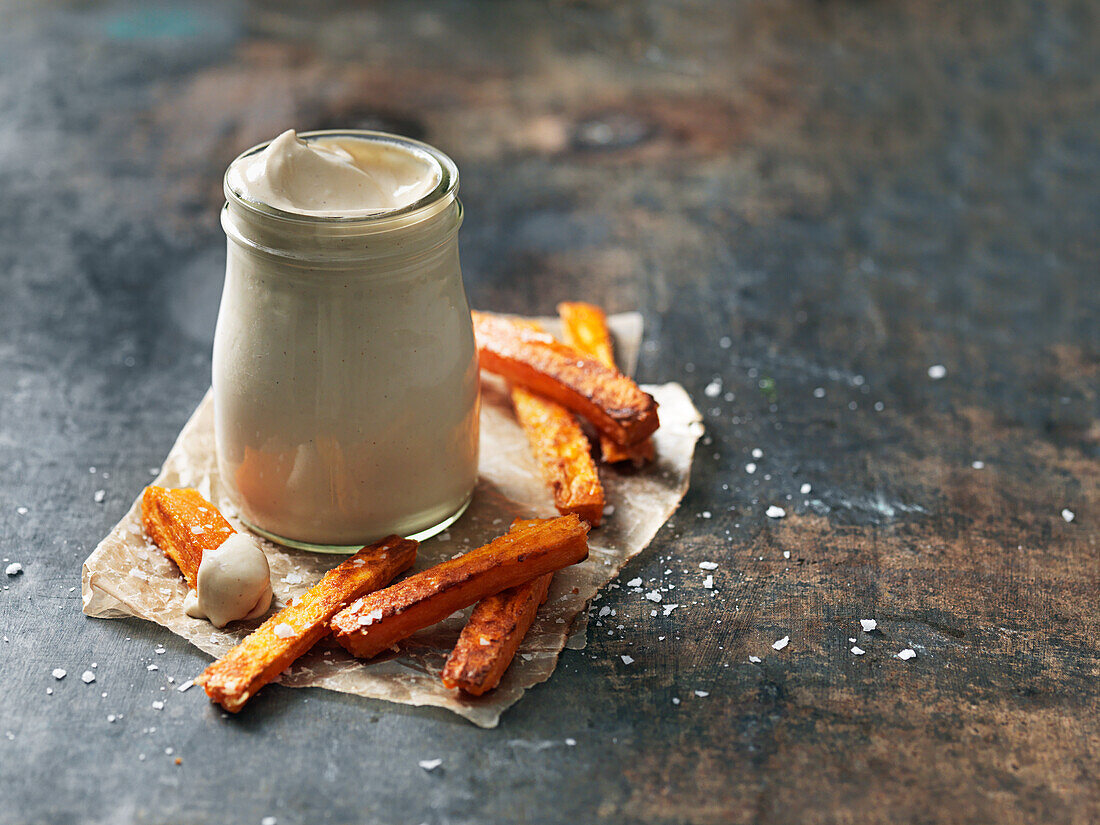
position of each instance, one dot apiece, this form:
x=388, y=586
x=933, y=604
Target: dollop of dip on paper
x=234, y=582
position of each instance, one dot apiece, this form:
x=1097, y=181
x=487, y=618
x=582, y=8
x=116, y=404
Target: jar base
x=351, y=549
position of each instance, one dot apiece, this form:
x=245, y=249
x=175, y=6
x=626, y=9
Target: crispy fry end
x=531, y=549
x=585, y=327
x=611, y=401
x=273, y=646
x=491, y=637
x=183, y=524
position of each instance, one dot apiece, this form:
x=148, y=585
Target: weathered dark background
x=850, y=192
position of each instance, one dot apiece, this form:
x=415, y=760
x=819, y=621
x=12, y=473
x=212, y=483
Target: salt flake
x=868, y=625
x=779, y=644
x=1068, y=515
x=907, y=654
x=775, y=512
x=58, y=673
x=937, y=371
x=87, y=677
x=14, y=569
x=284, y=631
x=858, y=651
x=627, y=660
x=430, y=764
x=99, y=496
x=653, y=596
x=708, y=565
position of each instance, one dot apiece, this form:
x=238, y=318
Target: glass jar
x=345, y=376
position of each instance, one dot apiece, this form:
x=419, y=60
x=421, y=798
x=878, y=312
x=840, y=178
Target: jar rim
x=446, y=187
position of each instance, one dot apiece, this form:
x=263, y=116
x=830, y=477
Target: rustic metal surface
x=804, y=198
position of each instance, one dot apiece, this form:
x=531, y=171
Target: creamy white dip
x=333, y=176
x=234, y=582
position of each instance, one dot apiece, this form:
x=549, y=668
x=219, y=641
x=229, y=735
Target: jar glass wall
x=345, y=375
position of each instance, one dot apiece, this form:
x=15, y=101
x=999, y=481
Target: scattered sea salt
x=805, y=489
x=819, y=392
x=858, y=651
x=570, y=741
x=627, y=660
x=158, y=705
x=269, y=820
x=708, y=583
x=369, y=618
x=1068, y=515
x=430, y=764
x=907, y=654
x=605, y=610
x=635, y=582
x=702, y=694
x=786, y=554
x=190, y=683
x=977, y=465
x=58, y=673
x=868, y=624
x=668, y=608
x=705, y=514
x=750, y=468
x=609, y=509
x=757, y=453
x=285, y=631
x=99, y=496
x=755, y=660
x=775, y=512
x=14, y=569
x=708, y=565
x=21, y=511
x=713, y=389
x=151, y=667
x=725, y=342
x=937, y=371
x=779, y=644
x=87, y=677
x=675, y=700
x=110, y=717
x=653, y=596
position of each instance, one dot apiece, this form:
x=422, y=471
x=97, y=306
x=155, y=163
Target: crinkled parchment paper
x=128, y=576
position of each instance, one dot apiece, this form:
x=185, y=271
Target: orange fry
x=489, y=640
x=183, y=524
x=610, y=400
x=562, y=451
x=530, y=549
x=273, y=646
x=585, y=327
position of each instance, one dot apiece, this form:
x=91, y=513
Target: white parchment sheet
x=126, y=575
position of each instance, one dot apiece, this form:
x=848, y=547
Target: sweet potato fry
x=585, y=327
x=531, y=549
x=562, y=451
x=611, y=401
x=183, y=524
x=273, y=646
x=490, y=638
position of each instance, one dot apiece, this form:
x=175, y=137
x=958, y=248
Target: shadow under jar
x=345, y=376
